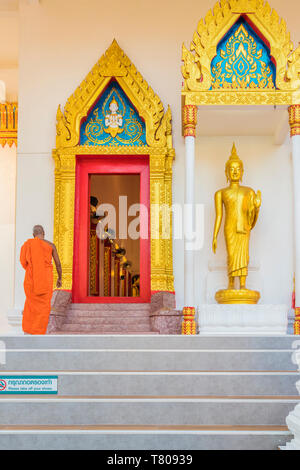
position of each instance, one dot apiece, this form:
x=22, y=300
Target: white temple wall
x=10, y=77
x=60, y=41
x=35, y=196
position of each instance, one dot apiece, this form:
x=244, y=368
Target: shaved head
x=38, y=231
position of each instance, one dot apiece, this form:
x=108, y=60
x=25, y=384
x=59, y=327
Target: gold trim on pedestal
x=235, y=296
x=115, y=64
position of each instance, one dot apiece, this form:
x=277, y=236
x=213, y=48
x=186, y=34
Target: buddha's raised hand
x=257, y=200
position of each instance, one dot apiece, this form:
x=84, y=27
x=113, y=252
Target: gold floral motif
x=242, y=97
x=245, y=59
x=114, y=64
x=108, y=123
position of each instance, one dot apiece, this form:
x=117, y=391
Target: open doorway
x=114, y=253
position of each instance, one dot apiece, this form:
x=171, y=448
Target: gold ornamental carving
x=114, y=64
x=8, y=124
x=241, y=205
x=197, y=60
x=189, y=120
x=297, y=321
x=189, y=324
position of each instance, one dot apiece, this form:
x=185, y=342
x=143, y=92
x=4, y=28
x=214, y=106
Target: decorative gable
x=243, y=60
x=113, y=120
x=241, y=54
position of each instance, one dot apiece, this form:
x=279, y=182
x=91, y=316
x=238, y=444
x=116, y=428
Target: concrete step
x=156, y=342
x=132, y=438
x=151, y=392
x=107, y=333
x=107, y=318
x=147, y=360
x=99, y=321
x=173, y=383
x=75, y=411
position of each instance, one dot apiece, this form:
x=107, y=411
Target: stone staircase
x=151, y=392
x=107, y=319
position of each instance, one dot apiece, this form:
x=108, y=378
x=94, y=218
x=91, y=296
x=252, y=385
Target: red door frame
x=107, y=164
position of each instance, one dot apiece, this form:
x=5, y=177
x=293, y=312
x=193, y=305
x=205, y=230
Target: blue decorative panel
x=113, y=120
x=243, y=60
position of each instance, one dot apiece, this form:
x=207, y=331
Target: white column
x=189, y=123
x=294, y=113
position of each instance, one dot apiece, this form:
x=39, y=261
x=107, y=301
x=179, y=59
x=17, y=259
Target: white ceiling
x=244, y=121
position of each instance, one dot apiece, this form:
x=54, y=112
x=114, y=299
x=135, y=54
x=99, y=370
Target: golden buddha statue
x=242, y=206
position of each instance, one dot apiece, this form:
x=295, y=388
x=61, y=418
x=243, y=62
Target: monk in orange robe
x=36, y=258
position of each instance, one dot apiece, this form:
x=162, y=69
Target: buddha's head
x=234, y=169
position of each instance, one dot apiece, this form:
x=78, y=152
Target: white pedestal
x=240, y=319
x=15, y=322
x=293, y=423
x=5, y=328
x=293, y=419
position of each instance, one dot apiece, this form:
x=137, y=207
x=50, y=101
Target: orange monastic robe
x=36, y=259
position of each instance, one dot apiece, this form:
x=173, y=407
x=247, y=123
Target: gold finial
x=244, y=6
x=234, y=155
